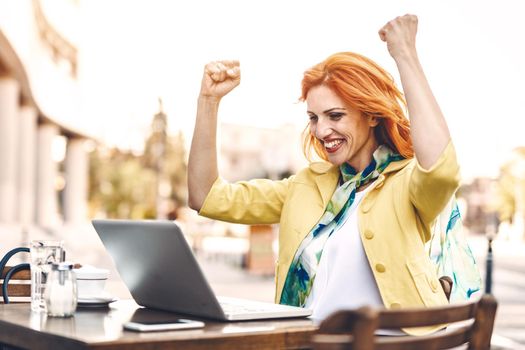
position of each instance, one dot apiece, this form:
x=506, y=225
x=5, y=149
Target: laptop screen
x=158, y=266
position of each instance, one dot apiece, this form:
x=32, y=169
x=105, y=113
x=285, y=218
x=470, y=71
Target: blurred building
x=43, y=162
x=158, y=141
x=248, y=152
x=166, y=155
x=479, y=196
x=491, y=201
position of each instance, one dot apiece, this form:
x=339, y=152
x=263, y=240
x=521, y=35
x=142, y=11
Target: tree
x=120, y=187
x=510, y=197
x=123, y=185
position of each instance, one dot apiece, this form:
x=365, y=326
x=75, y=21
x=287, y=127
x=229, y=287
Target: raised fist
x=400, y=35
x=219, y=78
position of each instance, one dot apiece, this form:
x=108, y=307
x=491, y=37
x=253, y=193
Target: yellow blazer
x=395, y=217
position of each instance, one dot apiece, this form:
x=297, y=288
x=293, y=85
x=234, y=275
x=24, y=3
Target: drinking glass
x=43, y=254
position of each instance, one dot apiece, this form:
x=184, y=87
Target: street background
x=98, y=102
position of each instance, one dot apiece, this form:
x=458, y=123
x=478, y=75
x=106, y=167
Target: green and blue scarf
x=451, y=254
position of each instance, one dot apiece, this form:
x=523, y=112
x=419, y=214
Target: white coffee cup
x=91, y=281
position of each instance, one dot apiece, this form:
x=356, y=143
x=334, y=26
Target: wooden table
x=102, y=329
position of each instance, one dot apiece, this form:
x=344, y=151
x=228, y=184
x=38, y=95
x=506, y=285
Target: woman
x=353, y=228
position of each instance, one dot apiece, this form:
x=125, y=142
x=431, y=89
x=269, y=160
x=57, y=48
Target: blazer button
x=380, y=268
x=369, y=234
x=365, y=206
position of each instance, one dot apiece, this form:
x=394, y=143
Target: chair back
x=19, y=282
x=14, y=280
x=469, y=323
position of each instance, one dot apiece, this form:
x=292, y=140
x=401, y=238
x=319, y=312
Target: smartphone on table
x=148, y=320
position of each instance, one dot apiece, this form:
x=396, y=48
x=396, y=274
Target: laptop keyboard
x=241, y=309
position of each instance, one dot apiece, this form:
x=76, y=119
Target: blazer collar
x=321, y=168
x=328, y=176
x=395, y=166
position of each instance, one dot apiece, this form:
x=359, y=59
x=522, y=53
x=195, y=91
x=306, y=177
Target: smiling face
x=344, y=132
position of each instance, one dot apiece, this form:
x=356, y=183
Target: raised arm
x=428, y=127
x=219, y=78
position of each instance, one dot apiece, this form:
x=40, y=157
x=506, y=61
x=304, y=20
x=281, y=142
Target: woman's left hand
x=425, y=115
x=400, y=36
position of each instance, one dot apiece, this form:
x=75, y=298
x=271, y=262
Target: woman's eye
x=336, y=116
x=312, y=118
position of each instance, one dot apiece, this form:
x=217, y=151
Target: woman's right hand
x=219, y=78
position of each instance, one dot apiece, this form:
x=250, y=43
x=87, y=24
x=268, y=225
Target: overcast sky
x=135, y=51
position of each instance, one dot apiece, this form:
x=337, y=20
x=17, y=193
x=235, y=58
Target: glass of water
x=43, y=254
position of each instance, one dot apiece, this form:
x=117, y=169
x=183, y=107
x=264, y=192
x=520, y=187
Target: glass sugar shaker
x=61, y=290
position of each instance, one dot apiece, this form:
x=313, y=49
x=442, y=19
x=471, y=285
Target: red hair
x=367, y=87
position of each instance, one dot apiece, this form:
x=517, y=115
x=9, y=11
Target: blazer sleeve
x=431, y=189
x=252, y=202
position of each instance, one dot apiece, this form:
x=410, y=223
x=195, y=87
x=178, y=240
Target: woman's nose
x=323, y=129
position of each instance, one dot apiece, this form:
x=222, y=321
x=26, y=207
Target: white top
x=344, y=279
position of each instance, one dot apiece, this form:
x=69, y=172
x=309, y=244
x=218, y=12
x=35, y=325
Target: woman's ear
x=373, y=121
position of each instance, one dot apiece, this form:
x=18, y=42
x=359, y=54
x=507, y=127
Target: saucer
x=101, y=300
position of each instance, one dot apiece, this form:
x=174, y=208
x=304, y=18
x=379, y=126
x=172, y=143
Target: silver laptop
x=159, y=269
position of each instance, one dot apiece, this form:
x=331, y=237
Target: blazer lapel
x=326, y=180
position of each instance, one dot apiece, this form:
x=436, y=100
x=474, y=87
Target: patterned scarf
x=303, y=268
x=451, y=254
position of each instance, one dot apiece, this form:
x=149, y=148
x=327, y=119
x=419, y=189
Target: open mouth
x=332, y=145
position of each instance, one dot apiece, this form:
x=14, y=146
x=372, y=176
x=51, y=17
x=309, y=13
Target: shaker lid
x=62, y=266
